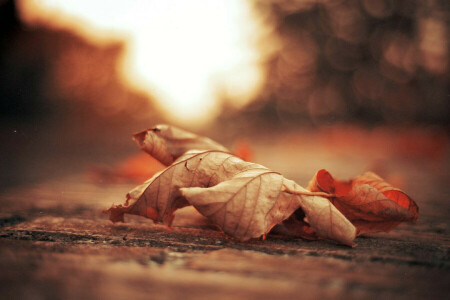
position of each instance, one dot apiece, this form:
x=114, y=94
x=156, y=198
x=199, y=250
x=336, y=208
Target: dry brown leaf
x=369, y=202
x=253, y=201
x=166, y=143
x=245, y=199
x=159, y=197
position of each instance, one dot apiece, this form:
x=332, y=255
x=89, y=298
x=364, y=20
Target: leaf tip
x=139, y=138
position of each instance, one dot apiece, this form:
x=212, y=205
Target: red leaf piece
x=369, y=202
x=295, y=226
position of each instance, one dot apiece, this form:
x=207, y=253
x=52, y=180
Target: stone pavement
x=56, y=244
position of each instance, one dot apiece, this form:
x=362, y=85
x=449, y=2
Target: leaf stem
x=308, y=193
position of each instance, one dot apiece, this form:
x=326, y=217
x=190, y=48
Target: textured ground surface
x=55, y=243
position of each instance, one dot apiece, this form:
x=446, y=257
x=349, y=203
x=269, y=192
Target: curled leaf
x=322, y=216
x=248, y=200
x=369, y=202
x=159, y=197
x=245, y=199
x=253, y=202
x=166, y=143
x=247, y=206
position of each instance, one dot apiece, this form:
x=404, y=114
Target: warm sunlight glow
x=184, y=53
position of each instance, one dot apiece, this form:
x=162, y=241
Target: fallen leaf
x=159, y=197
x=254, y=201
x=245, y=199
x=166, y=143
x=369, y=202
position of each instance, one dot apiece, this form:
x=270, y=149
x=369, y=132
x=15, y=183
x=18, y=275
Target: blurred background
x=316, y=80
